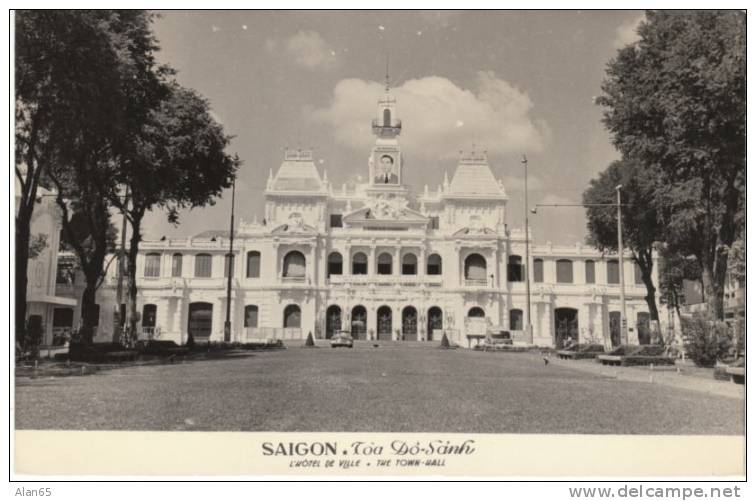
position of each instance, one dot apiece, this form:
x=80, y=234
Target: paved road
x=373, y=390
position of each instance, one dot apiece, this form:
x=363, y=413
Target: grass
x=373, y=390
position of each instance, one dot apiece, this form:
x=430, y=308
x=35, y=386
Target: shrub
x=707, y=340
x=444, y=341
x=310, y=342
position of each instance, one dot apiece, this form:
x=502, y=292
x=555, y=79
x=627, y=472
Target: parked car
x=342, y=339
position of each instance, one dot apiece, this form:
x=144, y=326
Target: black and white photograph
x=433, y=225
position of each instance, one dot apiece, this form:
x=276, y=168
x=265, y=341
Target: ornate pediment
x=383, y=209
x=473, y=231
x=295, y=226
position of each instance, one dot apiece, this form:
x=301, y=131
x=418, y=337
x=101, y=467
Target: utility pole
x=120, y=312
x=227, y=325
x=623, y=320
x=528, y=325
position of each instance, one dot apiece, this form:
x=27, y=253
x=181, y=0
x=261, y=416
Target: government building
x=379, y=260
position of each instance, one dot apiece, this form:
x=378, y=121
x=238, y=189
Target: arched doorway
x=383, y=323
x=149, y=319
x=615, y=328
x=435, y=320
x=566, y=325
x=200, y=321
x=333, y=320
x=292, y=316
x=409, y=324
x=359, y=322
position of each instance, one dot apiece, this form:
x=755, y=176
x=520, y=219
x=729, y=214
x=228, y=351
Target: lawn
x=384, y=389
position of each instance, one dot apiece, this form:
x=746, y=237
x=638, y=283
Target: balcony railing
x=386, y=280
x=293, y=280
x=476, y=282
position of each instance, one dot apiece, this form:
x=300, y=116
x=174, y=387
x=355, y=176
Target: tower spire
x=387, y=73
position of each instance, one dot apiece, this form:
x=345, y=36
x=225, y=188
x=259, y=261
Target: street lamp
x=528, y=325
x=227, y=324
x=620, y=250
x=623, y=320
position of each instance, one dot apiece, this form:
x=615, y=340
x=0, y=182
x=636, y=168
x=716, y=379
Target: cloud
x=627, y=32
x=440, y=118
x=310, y=50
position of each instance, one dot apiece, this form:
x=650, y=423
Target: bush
x=444, y=341
x=707, y=340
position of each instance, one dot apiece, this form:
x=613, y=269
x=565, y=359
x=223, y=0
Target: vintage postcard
x=379, y=243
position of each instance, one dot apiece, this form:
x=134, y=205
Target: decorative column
x=371, y=261
x=347, y=261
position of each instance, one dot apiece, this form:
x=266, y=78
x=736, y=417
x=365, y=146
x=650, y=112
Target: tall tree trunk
x=23, y=230
x=131, y=259
x=89, y=310
x=650, y=298
x=713, y=277
x=645, y=261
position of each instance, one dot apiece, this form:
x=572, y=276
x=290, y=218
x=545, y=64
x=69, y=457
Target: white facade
x=47, y=309
x=412, y=263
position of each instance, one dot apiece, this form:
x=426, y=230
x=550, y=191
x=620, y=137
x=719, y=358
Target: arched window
x=434, y=265
x=177, y=265
x=292, y=316
x=515, y=320
x=476, y=312
x=515, y=269
x=409, y=264
x=203, y=265
x=564, y=271
x=475, y=268
x=250, y=315
x=384, y=264
x=612, y=271
x=590, y=272
x=335, y=264
x=294, y=265
x=387, y=117
x=359, y=264
x=538, y=270
x=253, y=264
x=152, y=265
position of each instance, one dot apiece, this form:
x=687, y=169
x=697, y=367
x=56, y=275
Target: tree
x=674, y=269
x=177, y=161
x=675, y=100
x=62, y=76
x=82, y=80
x=640, y=223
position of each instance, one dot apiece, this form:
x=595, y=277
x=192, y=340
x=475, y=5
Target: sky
x=507, y=82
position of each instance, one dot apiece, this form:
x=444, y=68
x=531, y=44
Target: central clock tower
x=385, y=164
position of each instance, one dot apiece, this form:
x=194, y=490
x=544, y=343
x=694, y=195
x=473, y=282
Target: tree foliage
x=675, y=100
x=177, y=160
x=82, y=81
x=641, y=230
